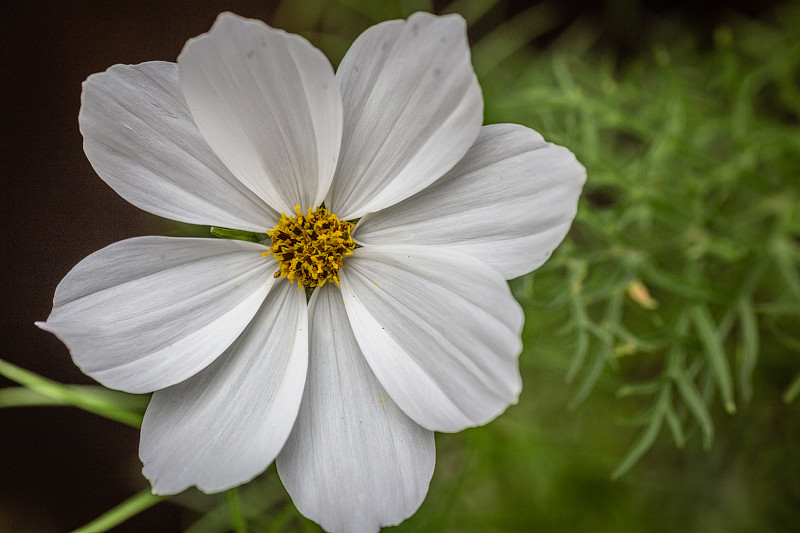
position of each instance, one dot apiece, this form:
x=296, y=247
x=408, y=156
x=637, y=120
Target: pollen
x=310, y=248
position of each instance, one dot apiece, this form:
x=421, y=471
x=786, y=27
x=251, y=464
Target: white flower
x=421, y=335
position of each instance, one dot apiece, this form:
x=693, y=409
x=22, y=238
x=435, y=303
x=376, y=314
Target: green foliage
x=684, y=260
x=39, y=391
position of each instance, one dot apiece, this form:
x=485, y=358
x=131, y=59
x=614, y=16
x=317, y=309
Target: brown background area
x=61, y=467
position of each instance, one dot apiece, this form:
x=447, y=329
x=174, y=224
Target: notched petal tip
x=455, y=17
x=159, y=490
x=161, y=486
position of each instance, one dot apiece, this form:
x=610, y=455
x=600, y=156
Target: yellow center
x=310, y=248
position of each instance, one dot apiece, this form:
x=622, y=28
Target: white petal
x=509, y=202
x=440, y=330
x=268, y=103
x=141, y=139
x=225, y=425
x=354, y=461
x=145, y=313
x=412, y=108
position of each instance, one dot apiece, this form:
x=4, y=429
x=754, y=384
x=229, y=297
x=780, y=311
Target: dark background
x=61, y=467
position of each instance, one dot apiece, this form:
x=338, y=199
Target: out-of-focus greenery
x=679, y=286
x=682, y=267
x=662, y=344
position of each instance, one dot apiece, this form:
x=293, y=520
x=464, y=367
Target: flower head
x=377, y=190
x=310, y=248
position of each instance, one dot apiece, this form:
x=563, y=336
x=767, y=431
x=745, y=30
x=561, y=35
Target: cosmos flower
x=375, y=190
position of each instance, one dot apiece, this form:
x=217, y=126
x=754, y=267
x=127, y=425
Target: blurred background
x=662, y=342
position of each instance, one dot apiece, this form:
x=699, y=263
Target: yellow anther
x=310, y=248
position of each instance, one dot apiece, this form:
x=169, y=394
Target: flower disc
x=310, y=248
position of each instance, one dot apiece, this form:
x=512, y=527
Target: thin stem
x=235, y=511
x=109, y=404
x=122, y=512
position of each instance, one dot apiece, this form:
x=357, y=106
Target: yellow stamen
x=310, y=248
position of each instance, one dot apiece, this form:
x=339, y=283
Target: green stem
x=109, y=404
x=122, y=512
x=235, y=511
